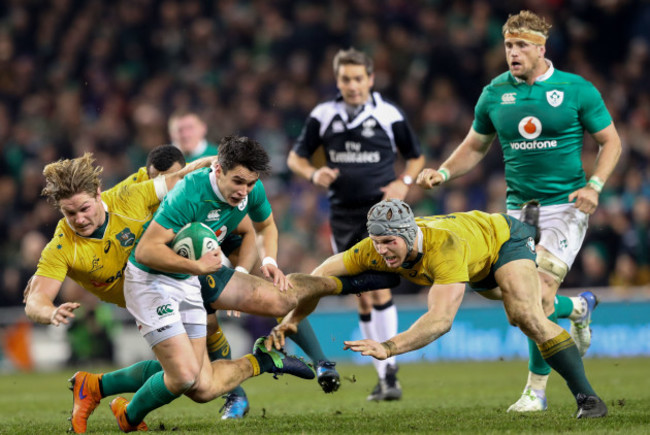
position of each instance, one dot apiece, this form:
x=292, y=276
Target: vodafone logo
x=530, y=127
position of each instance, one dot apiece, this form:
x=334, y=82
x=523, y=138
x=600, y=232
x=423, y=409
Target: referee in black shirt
x=361, y=134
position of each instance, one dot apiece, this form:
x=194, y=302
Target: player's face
x=153, y=172
x=354, y=83
x=84, y=212
x=236, y=184
x=187, y=131
x=525, y=60
x=392, y=248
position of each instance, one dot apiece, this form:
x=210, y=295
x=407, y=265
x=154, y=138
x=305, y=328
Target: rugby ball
x=194, y=240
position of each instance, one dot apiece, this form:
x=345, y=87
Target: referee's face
x=354, y=83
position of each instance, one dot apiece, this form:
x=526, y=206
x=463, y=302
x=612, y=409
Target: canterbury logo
x=164, y=309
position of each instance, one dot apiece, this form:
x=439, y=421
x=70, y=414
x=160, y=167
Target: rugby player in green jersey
x=162, y=289
x=188, y=131
x=540, y=115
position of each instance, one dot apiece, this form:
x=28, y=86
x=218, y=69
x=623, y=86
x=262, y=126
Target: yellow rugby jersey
x=134, y=178
x=458, y=247
x=98, y=264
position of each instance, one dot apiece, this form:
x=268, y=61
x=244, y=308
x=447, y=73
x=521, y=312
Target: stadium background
x=104, y=76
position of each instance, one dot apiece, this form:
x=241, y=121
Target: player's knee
x=551, y=266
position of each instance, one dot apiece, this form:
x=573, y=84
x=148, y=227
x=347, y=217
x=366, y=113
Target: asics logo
x=164, y=309
x=82, y=396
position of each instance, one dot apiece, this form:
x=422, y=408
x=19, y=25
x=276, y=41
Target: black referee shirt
x=364, y=149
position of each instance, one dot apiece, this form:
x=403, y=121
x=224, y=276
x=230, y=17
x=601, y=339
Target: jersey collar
x=215, y=187
x=549, y=72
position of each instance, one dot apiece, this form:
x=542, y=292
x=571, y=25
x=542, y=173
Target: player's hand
x=278, y=335
x=273, y=273
x=209, y=262
x=63, y=312
x=233, y=313
x=325, y=176
x=586, y=199
x=427, y=178
x=395, y=190
x=367, y=347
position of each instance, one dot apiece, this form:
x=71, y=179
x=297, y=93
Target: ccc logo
x=164, y=309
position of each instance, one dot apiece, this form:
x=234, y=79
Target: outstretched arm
x=443, y=301
x=468, y=154
x=39, y=302
x=173, y=178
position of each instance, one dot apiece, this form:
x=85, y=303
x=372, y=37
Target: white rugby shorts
x=157, y=301
x=563, y=229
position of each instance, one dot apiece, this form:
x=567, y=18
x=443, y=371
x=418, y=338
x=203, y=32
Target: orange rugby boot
x=85, y=398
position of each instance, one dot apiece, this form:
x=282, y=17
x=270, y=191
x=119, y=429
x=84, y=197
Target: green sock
x=152, y=395
x=562, y=354
x=536, y=363
x=306, y=339
x=563, y=306
x=219, y=348
x=128, y=379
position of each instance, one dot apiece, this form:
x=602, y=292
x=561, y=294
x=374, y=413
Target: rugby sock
x=384, y=318
x=306, y=339
x=368, y=331
x=562, y=354
x=365, y=281
x=536, y=363
x=128, y=379
x=261, y=363
x=563, y=306
x=152, y=395
x=219, y=348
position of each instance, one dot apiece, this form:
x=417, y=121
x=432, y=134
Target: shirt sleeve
x=359, y=258
x=259, y=209
x=176, y=210
x=54, y=261
x=406, y=140
x=593, y=113
x=309, y=139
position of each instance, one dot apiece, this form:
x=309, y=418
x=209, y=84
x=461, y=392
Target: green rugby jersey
x=541, y=129
x=196, y=198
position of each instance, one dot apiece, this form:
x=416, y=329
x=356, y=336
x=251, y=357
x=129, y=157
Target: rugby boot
x=392, y=388
x=328, y=378
x=118, y=408
x=580, y=330
x=283, y=363
x=530, y=401
x=85, y=398
x=590, y=406
x=235, y=407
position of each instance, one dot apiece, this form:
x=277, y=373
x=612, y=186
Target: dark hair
x=352, y=57
x=241, y=150
x=164, y=156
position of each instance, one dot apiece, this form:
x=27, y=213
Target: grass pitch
x=458, y=397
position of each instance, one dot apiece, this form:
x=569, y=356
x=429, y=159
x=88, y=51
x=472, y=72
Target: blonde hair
x=66, y=178
x=526, y=21
x=352, y=57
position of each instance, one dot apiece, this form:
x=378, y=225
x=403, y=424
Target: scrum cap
x=393, y=217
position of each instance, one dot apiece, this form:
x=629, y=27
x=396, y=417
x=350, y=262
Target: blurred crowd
x=104, y=76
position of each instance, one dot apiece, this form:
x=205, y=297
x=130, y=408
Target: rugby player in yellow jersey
x=493, y=253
